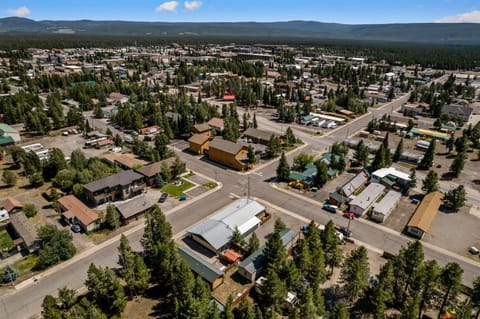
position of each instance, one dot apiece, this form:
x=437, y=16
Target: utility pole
x=248, y=188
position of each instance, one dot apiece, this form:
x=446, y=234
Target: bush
x=9, y=178
x=30, y=210
x=9, y=274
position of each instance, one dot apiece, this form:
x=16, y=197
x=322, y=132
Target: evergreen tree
x=475, y=297
x=355, y=273
x=273, y=290
x=273, y=146
x=133, y=270
x=321, y=178
x=49, y=308
x=279, y=225
x=290, y=138
x=330, y=245
x=361, y=153
x=253, y=244
x=430, y=183
x=425, y=282
x=451, y=281
x=455, y=198
x=340, y=311
x=458, y=164
x=450, y=143
x=413, y=178
x=427, y=160
x=283, y=169
x=112, y=217
x=274, y=252
x=398, y=151
x=252, y=159
x=255, y=124
x=105, y=289
x=77, y=159
x=308, y=308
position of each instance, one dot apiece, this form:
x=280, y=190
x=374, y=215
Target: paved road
x=26, y=303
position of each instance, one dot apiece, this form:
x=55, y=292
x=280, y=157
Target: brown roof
x=226, y=146
x=202, y=127
x=78, y=209
x=426, y=211
x=24, y=228
x=155, y=168
x=128, y=160
x=11, y=203
x=198, y=139
x=259, y=134
x=216, y=123
x=123, y=178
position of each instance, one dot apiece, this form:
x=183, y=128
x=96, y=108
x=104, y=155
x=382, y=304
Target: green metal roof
x=7, y=128
x=199, y=266
x=332, y=172
x=6, y=140
x=338, y=197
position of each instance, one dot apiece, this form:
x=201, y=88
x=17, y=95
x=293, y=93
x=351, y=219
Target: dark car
x=76, y=228
x=163, y=198
x=345, y=231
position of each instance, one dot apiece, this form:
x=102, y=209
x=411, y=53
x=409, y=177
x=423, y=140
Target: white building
x=362, y=203
x=383, y=208
x=390, y=172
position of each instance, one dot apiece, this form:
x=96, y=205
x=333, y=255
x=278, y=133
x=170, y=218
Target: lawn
x=26, y=264
x=6, y=242
x=189, y=175
x=176, y=191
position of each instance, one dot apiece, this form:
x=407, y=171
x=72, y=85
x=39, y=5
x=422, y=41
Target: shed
x=202, y=268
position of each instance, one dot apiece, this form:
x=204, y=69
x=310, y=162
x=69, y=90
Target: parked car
x=76, y=228
x=415, y=201
x=65, y=133
x=349, y=215
x=163, y=198
x=345, y=231
x=330, y=208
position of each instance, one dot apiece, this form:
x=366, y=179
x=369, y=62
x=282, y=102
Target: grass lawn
x=26, y=264
x=6, y=242
x=188, y=175
x=210, y=185
x=177, y=191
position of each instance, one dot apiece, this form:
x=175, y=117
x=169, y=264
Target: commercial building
x=228, y=153
x=216, y=232
x=362, y=203
x=75, y=212
x=385, y=206
x=121, y=186
x=202, y=268
x=423, y=217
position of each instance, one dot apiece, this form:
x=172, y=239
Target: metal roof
x=388, y=202
x=200, y=266
x=123, y=178
x=218, y=229
x=426, y=211
x=368, y=196
x=355, y=183
x=392, y=171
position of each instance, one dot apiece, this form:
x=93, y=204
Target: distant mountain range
x=441, y=33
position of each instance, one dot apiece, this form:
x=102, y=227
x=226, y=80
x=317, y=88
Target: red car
x=349, y=215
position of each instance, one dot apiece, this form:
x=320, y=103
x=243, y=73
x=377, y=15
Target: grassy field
x=6, y=242
x=177, y=191
x=210, y=185
x=26, y=264
x=189, y=175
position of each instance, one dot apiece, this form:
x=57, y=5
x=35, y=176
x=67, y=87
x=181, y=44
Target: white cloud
x=192, y=5
x=19, y=12
x=473, y=17
x=167, y=6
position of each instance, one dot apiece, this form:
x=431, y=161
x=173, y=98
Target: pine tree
x=475, y=297
x=253, y=244
x=252, y=159
x=133, y=269
x=340, y=311
x=283, y=169
x=290, y=138
x=430, y=183
x=458, y=164
x=413, y=178
x=274, y=252
x=321, y=178
x=451, y=281
x=355, y=273
x=455, y=198
x=330, y=245
x=255, y=124
x=361, y=153
x=398, y=151
x=427, y=160
x=112, y=218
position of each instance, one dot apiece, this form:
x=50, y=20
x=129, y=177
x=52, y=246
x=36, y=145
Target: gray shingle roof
x=259, y=134
x=200, y=266
x=134, y=206
x=123, y=178
x=24, y=228
x=226, y=146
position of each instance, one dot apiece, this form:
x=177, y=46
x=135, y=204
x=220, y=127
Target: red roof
x=78, y=209
x=11, y=203
x=230, y=256
x=229, y=97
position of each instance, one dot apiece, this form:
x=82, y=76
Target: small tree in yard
x=253, y=244
x=283, y=169
x=413, y=178
x=398, y=151
x=9, y=274
x=9, y=178
x=430, y=183
x=427, y=160
x=251, y=155
x=273, y=146
x=237, y=236
x=455, y=198
x=112, y=219
x=302, y=159
x=56, y=246
x=458, y=164
x=178, y=168
x=158, y=181
x=30, y=210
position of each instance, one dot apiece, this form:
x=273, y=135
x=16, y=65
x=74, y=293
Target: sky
x=340, y=11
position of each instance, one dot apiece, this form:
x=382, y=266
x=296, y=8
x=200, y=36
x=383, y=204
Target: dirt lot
x=400, y=216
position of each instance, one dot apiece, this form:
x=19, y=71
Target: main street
x=26, y=302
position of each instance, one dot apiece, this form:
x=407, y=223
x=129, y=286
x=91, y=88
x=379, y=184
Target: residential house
x=306, y=177
x=461, y=112
x=8, y=131
x=202, y=268
x=392, y=178
x=228, y=153
x=76, y=212
x=152, y=170
x=382, y=209
x=362, y=203
x=259, y=136
x=424, y=215
x=216, y=232
x=120, y=186
x=133, y=208
x=251, y=267
x=217, y=124
x=119, y=98
x=198, y=143
x=337, y=199
x=25, y=233
x=202, y=128
x=11, y=205
x=355, y=184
